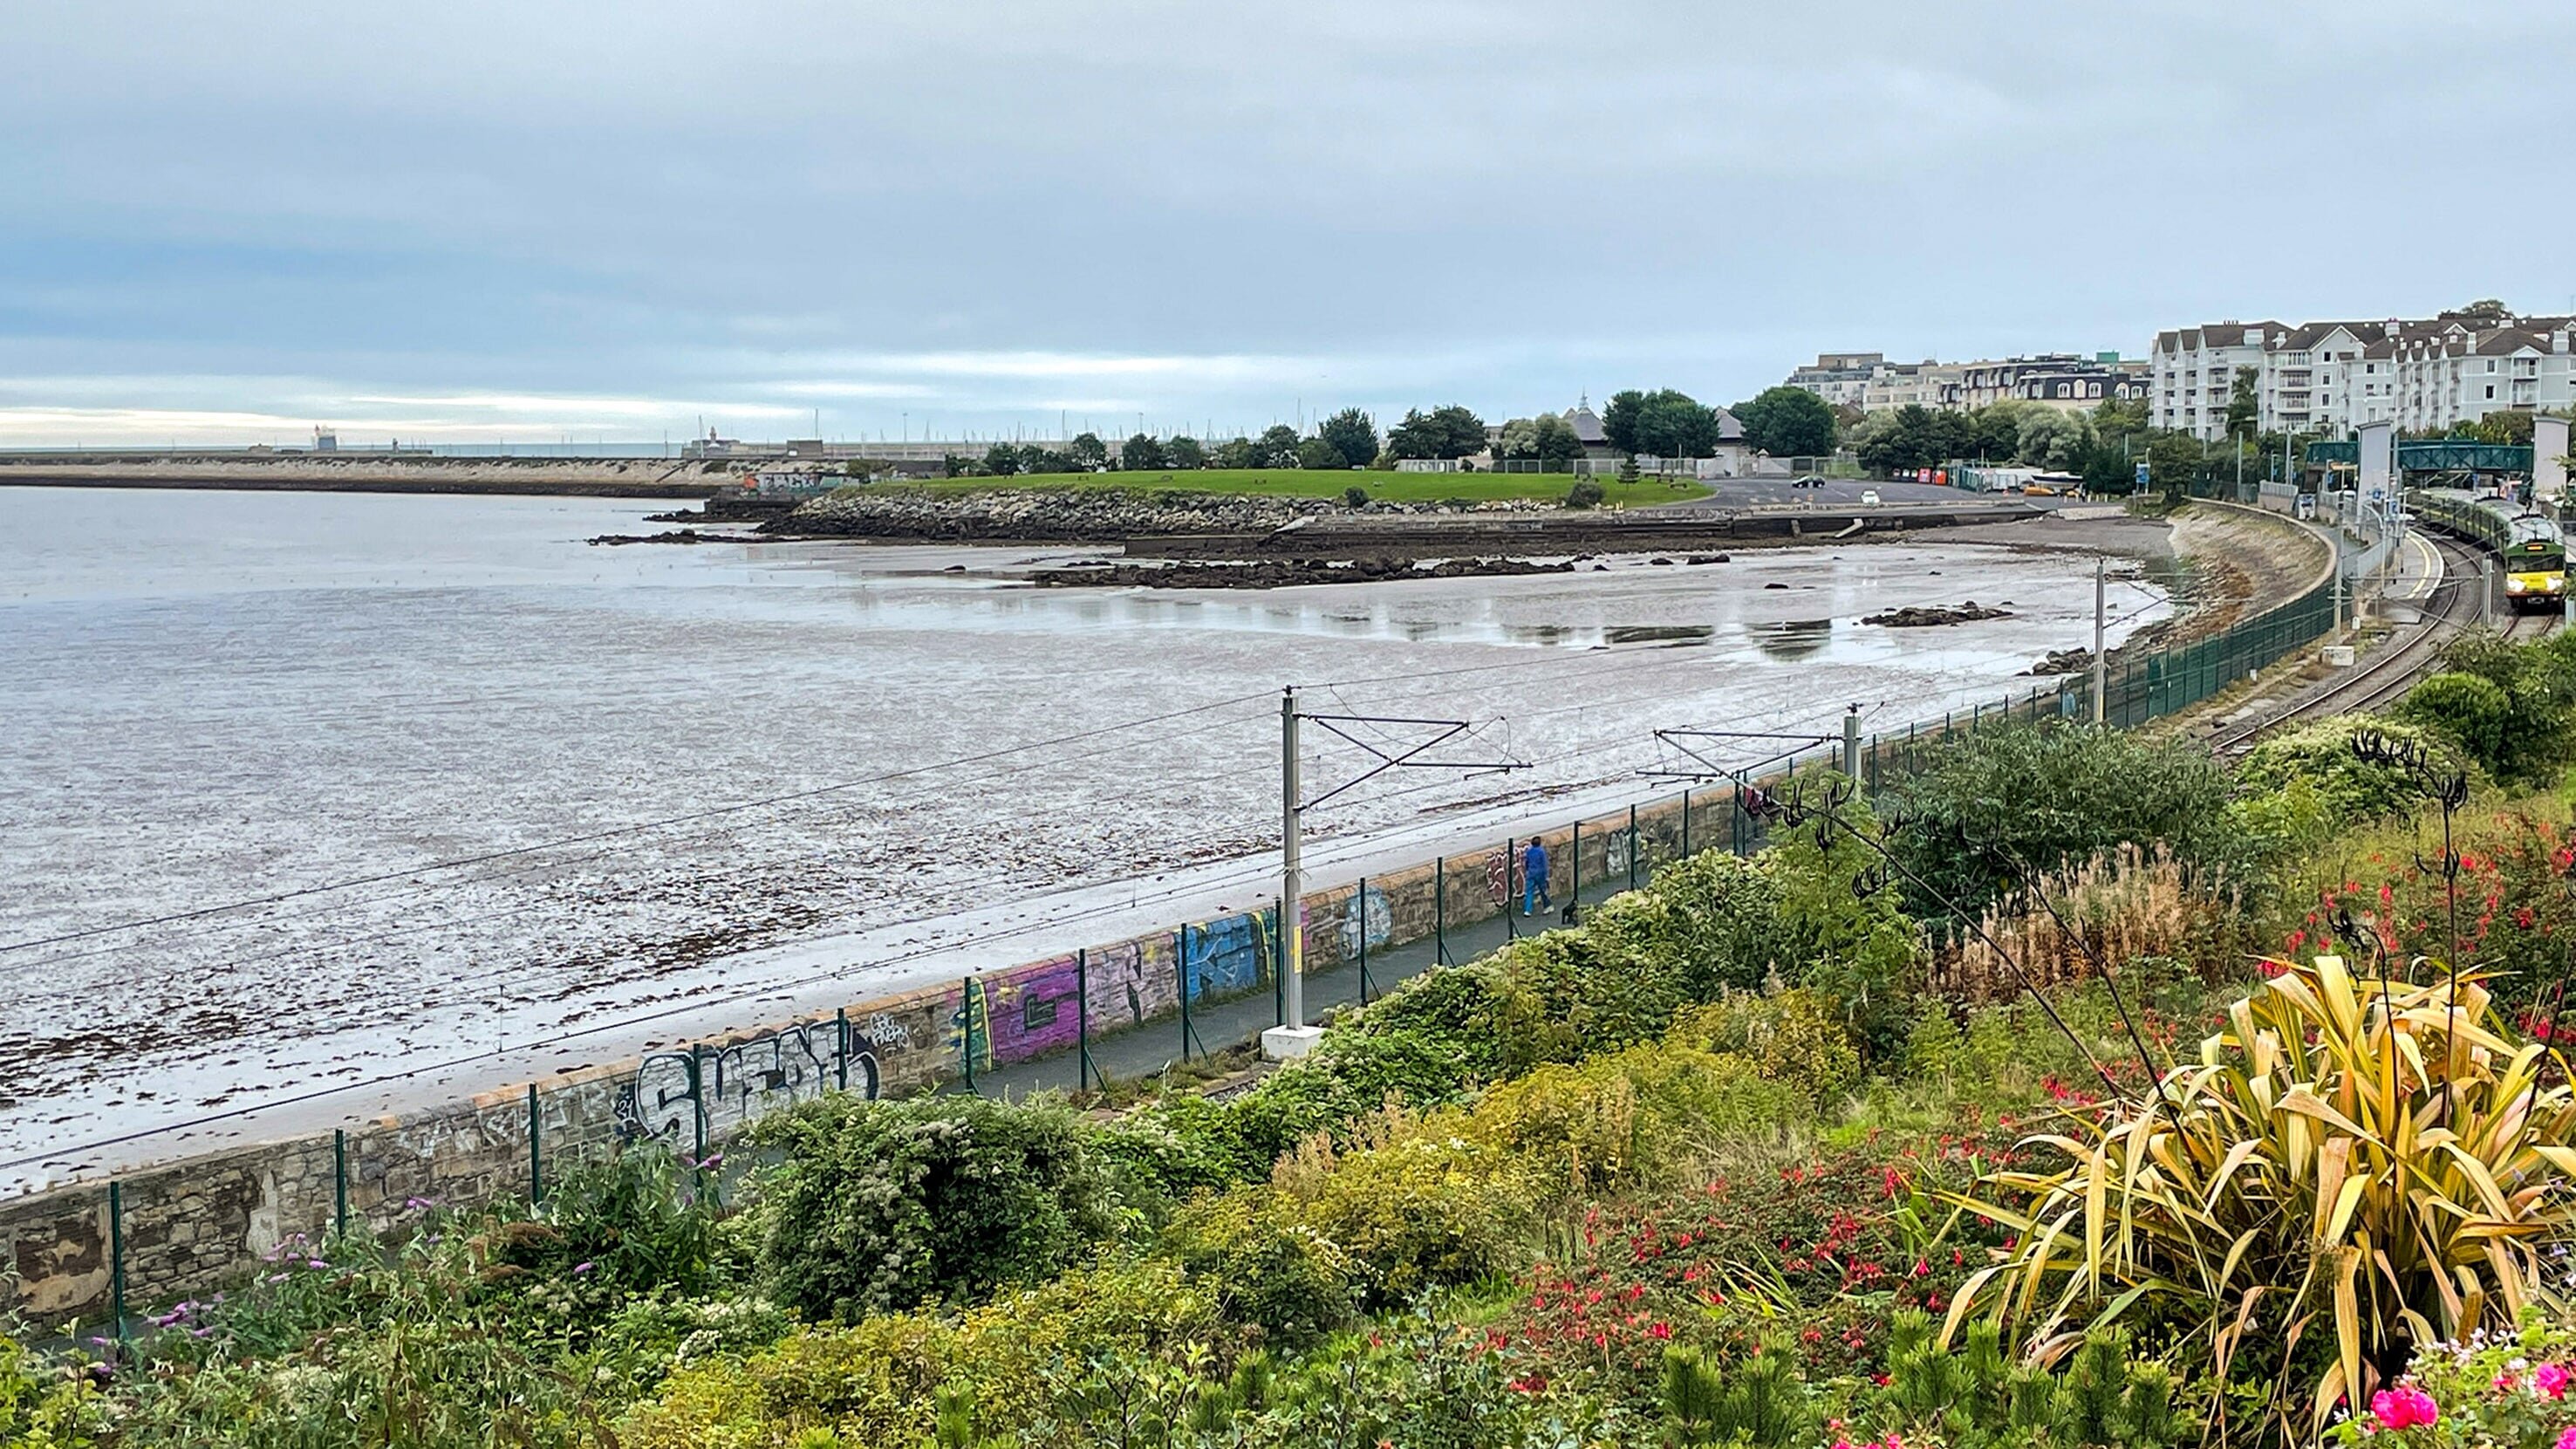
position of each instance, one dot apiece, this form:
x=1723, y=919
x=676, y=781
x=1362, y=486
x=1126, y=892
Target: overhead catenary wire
x=614, y=832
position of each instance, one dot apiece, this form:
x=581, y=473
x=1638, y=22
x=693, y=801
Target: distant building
x=1839, y=377
x=2060, y=380
x=1871, y=383
x=2330, y=377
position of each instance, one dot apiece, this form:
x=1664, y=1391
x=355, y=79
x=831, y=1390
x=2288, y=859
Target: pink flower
x=2567, y=1437
x=2404, y=1408
x=2550, y=1380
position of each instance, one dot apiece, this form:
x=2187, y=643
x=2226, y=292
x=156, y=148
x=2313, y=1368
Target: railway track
x=2451, y=607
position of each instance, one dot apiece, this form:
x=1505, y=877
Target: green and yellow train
x=2529, y=547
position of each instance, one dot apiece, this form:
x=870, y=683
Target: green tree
x=1787, y=422
x=1353, y=434
x=1087, y=451
x=1236, y=453
x=1277, y=447
x=2053, y=439
x=1001, y=460
x=1444, y=432
x=2244, y=409
x=1994, y=432
x=1319, y=453
x=2486, y=309
x=1184, y=452
x=1664, y=423
x=2173, y=461
x=1142, y=453
x=1548, y=438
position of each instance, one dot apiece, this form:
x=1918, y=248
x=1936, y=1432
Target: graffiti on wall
x=1498, y=875
x=1614, y=854
x=1229, y=955
x=1367, y=919
x=681, y=1098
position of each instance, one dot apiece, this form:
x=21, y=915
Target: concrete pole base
x=1287, y=1043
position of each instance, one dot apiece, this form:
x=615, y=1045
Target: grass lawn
x=1295, y=483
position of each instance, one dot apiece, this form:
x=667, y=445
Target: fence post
x=698, y=1100
x=1574, y=868
x=966, y=1029
x=1278, y=961
x=1181, y=972
x=1511, y=868
x=841, y=1048
x=1685, y=822
x=536, y=1158
x=340, y=1181
x=1632, y=846
x=116, y=1254
x=1082, y=1019
x=1359, y=902
x=1440, y=909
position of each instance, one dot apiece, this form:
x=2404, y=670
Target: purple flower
x=581, y=1267
x=317, y=1263
x=415, y=1204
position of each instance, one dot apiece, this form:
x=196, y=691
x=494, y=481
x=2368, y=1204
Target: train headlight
x=2514, y=585
x=2557, y=583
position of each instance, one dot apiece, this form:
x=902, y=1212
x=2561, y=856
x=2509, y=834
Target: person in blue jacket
x=1534, y=878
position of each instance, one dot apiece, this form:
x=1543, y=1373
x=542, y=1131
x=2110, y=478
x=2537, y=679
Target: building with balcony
x=2329, y=377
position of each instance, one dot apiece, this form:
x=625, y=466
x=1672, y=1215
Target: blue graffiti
x=1366, y=920
x=1228, y=956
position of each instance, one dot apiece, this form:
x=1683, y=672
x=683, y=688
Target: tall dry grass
x=2128, y=905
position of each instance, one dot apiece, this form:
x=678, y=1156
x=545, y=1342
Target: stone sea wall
x=152, y=1236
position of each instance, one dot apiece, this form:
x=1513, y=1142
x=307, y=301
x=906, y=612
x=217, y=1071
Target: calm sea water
x=213, y=698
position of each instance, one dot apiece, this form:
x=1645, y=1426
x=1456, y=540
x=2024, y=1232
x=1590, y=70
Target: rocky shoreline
x=1286, y=573
x=1107, y=515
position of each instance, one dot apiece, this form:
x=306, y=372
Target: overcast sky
x=470, y=221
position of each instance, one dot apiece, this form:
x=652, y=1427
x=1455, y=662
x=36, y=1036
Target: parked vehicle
x=1869, y=498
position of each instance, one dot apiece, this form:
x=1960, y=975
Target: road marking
x=2420, y=579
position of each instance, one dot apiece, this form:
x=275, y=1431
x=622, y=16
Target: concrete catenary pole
x=1292, y=935
x=2101, y=669
x=1851, y=743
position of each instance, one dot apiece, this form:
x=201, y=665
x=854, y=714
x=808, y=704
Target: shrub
x=1586, y=493
x=1412, y=1209
x=2352, y=790
x=1646, y=1117
x=2515, y=915
x=1790, y=1037
x=2381, y=1160
x=1355, y=496
x=876, y=1206
x=2474, y=714
x=2046, y=796
x=1265, y=1268
x=610, y=1231
x=878, y=1382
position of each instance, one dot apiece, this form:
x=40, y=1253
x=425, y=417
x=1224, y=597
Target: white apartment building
x=2327, y=377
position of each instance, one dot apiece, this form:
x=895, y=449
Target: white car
x=1869, y=498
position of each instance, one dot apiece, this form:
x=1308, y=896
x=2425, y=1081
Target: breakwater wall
x=93, y=1251
x=662, y=478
